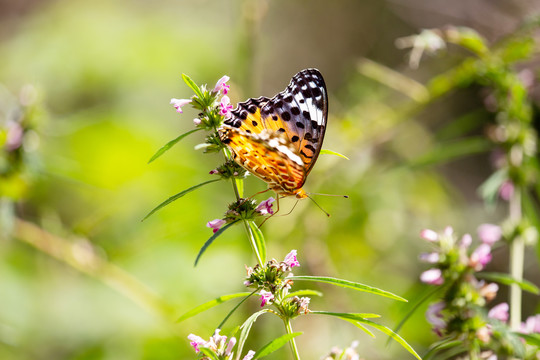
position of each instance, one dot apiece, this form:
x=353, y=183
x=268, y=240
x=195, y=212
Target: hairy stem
x=517, y=251
x=292, y=342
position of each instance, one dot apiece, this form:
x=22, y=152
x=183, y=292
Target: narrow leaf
x=349, y=284
x=395, y=336
x=361, y=327
x=440, y=346
x=210, y=304
x=305, y=292
x=220, y=326
x=260, y=243
x=350, y=316
x=532, y=339
x=507, y=279
x=330, y=152
x=209, y=352
x=246, y=327
x=170, y=144
x=177, y=196
x=447, y=151
x=192, y=85
x=240, y=186
x=275, y=344
x=212, y=238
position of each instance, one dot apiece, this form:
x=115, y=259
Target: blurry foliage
x=106, y=72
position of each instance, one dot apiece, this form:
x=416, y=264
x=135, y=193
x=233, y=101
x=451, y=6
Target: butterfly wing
x=268, y=155
x=299, y=112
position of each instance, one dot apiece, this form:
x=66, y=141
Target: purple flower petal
x=178, y=103
x=429, y=235
x=489, y=233
x=499, y=312
x=432, y=276
x=290, y=259
x=215, y=224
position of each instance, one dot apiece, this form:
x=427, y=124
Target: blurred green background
x=103, y=74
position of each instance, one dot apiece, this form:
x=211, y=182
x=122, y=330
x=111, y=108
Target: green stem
x=292, y=342
x=517, y=251
x=252, y=241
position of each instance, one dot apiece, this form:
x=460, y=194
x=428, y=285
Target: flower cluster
x=348, y=353
x=217, y=345
x=230, y=169
x=460, y=313
x=245, y=209
x=274, y=285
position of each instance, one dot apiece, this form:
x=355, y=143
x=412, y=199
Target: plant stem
x=252, y=241
x=292, y=342
x=517, y=252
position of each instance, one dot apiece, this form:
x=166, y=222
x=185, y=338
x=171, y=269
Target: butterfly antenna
x=319, y=206
x=335, y=195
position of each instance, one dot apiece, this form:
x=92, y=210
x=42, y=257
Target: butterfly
x=279, y=139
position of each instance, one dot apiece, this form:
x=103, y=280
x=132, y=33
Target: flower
x=531, y=325
x=197, y=121
x=230, y=345
x=435, y=317
x=14, y=138
x=432, y=276
x=290, y=259
x=225, y=106
x=506, y=190
x=480, y=257
x=196, y=342
x=249, y=355
x=483, y=334
x=431, y=258
x=215, y=224
x=265, y=207
x=499, y=312
x=266, y=297
x=429, y=235
x=303, y=305
x=489, y=233
x=466, y=241
x=178, y=103
x=221, y=85
x=488, y=291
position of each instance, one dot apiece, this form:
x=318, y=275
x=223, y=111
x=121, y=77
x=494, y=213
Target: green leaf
x=220, y=326
x=209, y=352
x=305, y=292
x=170, y=144
x=349, y=284
x=440, y=346
x=260, y=243
x=246, y=327
x=507, y=279
x=210, y=304
x=330, y=152
x=193, y=86
x=350, y=316
x=392, y=334
x=211, y=240
x=489, y=189
x=447, y=151
x=275, y=344
x=177, y=196
x=531, y=339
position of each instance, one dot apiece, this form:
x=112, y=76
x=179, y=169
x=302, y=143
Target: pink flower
x=489, y=233
x=466, y=241
x=196, y=342
x=215, y=224
x=178, y=103
x=480, y=257
x=431, y=258
x=230, y=345
x=265, y=207
x=435, y=317
x=488, y=291
x=303, y=307
x=249, y=355
x=221, y=85
x=290, y=259
x=14, y=138
x=531, y=325
x=499, y=312
x=484, y=334
x=212, y=172
x=429, y=235
x=266, y=297
x=226, y=107
x=506, y=190
x=197, y=121
x=432, y=276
